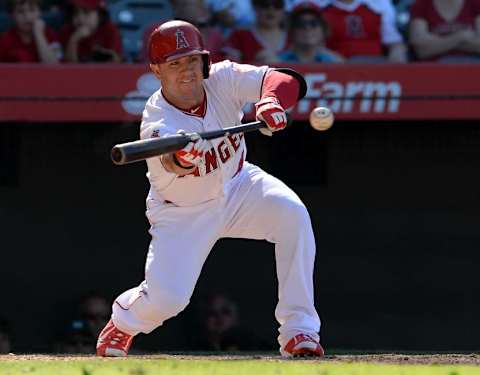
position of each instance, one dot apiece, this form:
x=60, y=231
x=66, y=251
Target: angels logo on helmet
x=181, y=40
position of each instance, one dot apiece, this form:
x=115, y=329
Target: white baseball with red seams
x=228, y=197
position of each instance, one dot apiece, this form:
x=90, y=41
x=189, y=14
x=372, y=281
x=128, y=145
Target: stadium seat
x=5, y=21
x=133, y=16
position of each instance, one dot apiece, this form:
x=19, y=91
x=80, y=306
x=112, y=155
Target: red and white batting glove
x=192, y=154
x=272, y=113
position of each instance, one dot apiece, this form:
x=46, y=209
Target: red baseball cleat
x=112, y=342
x=302, y=345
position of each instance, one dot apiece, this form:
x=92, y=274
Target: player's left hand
x=191, y=155
x=272, y=113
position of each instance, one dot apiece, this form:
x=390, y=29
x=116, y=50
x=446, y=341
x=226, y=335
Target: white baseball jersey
x=223, y=200
x=229, y=87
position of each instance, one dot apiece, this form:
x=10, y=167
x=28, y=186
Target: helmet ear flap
x=206, y=65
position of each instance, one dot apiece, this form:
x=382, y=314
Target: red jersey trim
x=196, y=111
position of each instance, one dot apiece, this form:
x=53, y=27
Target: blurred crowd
x=215, y=325
x=248, y=31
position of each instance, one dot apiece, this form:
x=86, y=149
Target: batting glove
x=192, y=154
x=272, y=113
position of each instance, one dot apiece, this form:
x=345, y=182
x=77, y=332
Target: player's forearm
x=397, y=53
x=116, y=58
x=171, y=166
x=472, y=45
x=71, y=53
x=432, y=45
x=282, y=86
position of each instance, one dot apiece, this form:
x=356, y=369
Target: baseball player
x=207, y=191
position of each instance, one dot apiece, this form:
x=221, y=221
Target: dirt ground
x=451, y=359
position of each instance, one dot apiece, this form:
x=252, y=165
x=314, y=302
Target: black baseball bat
x=131, y=152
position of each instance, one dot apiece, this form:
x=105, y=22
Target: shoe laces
x=307, y=337
x=118, y=338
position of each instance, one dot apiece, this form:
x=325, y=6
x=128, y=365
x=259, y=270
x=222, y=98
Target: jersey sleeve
x=246, y=82
x=153, y=123
x=390, y=33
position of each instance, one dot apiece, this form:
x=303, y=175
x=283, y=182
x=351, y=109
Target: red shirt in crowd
x=361, y=28
x=14, y=49
x=465, y=19
x=244, y=45
x=106, y=36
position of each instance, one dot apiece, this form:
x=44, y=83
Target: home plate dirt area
x=472, y=359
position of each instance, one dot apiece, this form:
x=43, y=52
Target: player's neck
x=185, y=104
x=182, y=102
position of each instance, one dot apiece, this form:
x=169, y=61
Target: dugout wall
x=394, y=206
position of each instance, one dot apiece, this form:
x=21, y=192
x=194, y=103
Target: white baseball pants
x=256, y=205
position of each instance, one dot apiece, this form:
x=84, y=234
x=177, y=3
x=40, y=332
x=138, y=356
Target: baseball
x=321, y=118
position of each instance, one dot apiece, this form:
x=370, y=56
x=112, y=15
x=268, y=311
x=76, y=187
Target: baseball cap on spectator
x=89, y=4
x=306, y=6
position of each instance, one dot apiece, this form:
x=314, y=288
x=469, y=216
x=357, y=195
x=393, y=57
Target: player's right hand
x=192, y=154
x=272, y=113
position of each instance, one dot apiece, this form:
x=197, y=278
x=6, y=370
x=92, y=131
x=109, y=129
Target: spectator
x=89, y=35
x=76, y=339
x=265, y=40
x=95, y=310
x=197, y=13
x=445, y=30
x=5, y=337
x=30, y=40
x=220, y=329
x=81, y=333
x=364, y=30
x=307, y=33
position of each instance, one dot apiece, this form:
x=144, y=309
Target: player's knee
x=294, y=214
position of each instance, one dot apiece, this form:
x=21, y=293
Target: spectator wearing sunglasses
x=307, y=33
x=261, y=43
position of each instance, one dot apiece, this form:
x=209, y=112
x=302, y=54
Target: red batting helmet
x=174, y=39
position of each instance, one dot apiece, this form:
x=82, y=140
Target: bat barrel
x=130, y=152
